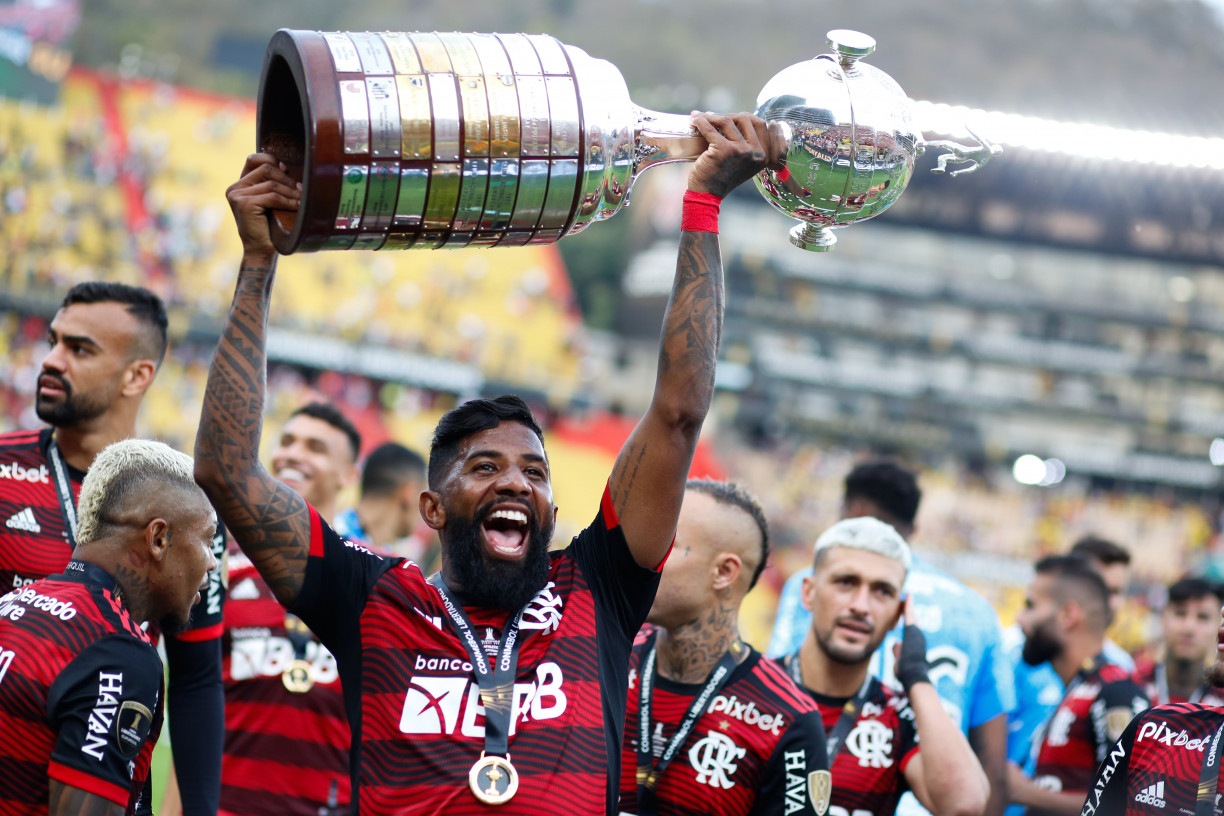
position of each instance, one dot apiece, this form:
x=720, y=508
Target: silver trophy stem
x=664, y=137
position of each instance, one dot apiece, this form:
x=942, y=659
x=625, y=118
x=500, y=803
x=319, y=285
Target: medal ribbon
x=1162, y=688
x=496, y=682
x=63, y=488
x=648, y=772
x=849, y=713
x=1209, y=778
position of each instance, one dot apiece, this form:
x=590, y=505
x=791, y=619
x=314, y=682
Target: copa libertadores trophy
x=429, y=140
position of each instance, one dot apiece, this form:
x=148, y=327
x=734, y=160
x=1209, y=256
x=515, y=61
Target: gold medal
x=493, y=779
x=298, y=678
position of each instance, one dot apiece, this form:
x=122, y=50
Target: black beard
x=1040, y=647
x=71, y=411
x=493, y=582
x=1215, y=675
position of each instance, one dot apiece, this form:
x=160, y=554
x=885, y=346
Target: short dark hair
x=889, y=486
x=470, y=418
x=1192, y=588
x=1078, y=580
x=1101, y=550
x=733, y=495
x=389, y=466
x=142, y=304
x=326, y=412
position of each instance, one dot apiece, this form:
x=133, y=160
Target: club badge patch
x=820, y=790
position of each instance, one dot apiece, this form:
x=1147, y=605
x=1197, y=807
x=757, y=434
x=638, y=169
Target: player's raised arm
x=269, y=521
x=647, y=483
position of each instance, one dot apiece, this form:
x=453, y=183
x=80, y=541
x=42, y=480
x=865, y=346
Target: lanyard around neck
x=648, y=770
x=496, y=682
x=63, y=489
x=850, y=709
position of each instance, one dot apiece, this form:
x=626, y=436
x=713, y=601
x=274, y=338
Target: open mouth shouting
x=506, y=532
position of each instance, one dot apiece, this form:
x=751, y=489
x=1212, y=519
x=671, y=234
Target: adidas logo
x=1152, y=795
x=25, y=521
x=245, y=590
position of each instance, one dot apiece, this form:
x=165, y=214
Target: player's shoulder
x=771, y=682
x=21, y=439
x=887, y=705
x=643, y=636
x=938, y=587
x=1112, y=674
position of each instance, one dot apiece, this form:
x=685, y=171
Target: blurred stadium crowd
x=124, y=180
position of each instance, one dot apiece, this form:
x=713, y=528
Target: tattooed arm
x=647, y=482
x=66, y=800
x=270, y=521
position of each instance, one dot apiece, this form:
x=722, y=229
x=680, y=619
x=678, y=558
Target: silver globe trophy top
x=851, y=141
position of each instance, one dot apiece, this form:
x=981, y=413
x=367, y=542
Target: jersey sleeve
x=907, y=737
x=623, y=589
x=104, y=707
x=792, y=620
x=797, y=778
x=195, y=703
x=1119, y=702
x=1107, y=791
x=994, y=690
x=195, y=697
x=339, y=577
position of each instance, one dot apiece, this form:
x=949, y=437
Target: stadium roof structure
x=1108, y=190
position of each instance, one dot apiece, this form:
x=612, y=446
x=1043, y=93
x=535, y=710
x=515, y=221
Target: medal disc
x=493, y=780
x=298, y=678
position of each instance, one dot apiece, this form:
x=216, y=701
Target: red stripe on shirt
x=90, y=784
x=316, y=533
x=200, y=635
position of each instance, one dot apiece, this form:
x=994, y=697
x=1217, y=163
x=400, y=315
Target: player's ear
x=156, y=540
x=432, y=510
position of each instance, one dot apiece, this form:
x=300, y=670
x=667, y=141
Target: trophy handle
x=663, y=138
x=976, y=156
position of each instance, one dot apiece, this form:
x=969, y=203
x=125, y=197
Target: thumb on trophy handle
x=781, y=134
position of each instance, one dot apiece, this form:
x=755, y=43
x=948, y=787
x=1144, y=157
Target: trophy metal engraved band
x=429, y=140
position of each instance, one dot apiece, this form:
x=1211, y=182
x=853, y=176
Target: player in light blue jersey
x=969, y=667
x=1039, y=689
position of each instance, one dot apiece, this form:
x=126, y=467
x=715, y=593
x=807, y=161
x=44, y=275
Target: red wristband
x=700, y=213
x=783, y=174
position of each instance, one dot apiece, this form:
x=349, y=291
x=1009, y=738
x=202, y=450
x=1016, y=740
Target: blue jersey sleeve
x=792, y=621
x=994, y=692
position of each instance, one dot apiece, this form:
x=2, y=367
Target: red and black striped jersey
x=34, y=540
x=1097, y=707
x=758, y=748
x=410, y=691
x=286, y=751
x=1156, y=765
x=869, y=769
x=80, y=693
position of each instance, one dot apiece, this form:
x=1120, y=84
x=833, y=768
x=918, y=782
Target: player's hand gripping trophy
x=429, y=140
